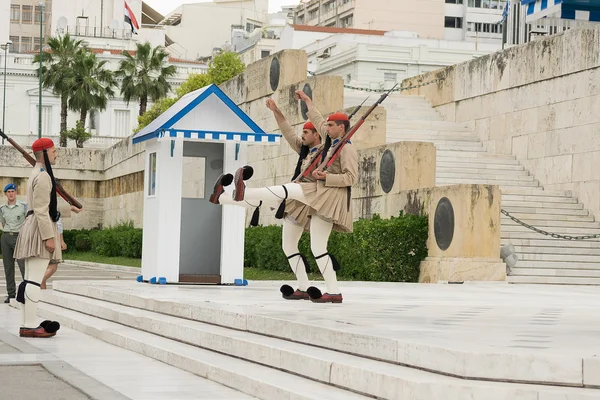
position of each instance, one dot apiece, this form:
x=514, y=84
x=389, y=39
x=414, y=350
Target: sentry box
x=187, y=238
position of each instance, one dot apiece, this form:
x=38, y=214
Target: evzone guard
x=38, y=242
x=326, y=195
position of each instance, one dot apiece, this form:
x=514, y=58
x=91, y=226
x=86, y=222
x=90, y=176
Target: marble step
x=553, y=280
x=476, y=156
x=554, y=272
x=441, y=181
x=253, y=379
x=546, y=224
x=429, y=136
x=476, y=165
x=549, y=242
x=484, y=174
x=535, y=204
x=458, y=171
x=235, y=331
x=525, y=191
x=543, y=211
x=421, y=114
x=532, y=218
x=321, y=365
x=559, y=257
x=525, y=249
x=455, y=157
x=477, y=150
x=439, y=144
x=510, y=227
x=531, y=265
x=428, y=125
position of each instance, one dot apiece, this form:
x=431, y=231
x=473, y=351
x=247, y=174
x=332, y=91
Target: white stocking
x=291, y=236
x=319, y=236
x=34, y=271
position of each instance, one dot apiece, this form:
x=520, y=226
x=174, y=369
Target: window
x=94, y=120
x=15, y=13
x=122, y=123
x=46, y=119
x=453, y=22
x=348, y=21
x=27, y=14
x=390, y=77
x=26, y=44
x=489, y=4
x=14, y=47
x=312, y=15
x=36, y=16
x=454, y=1
x=36, y=43
x=483, y=27
x=152, y=174
x=265, y=53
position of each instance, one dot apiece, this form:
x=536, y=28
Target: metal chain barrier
x=554, y=235
x=385, y=90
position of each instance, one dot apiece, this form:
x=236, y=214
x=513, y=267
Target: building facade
x=104, y=31
x=376, y=59
x=472, y=20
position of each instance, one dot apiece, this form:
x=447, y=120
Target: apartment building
x=24, y=31
x=470, y=20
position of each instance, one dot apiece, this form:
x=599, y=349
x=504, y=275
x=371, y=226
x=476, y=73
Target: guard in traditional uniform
x=12, y=216
x=328, y=197
x=295, y=214
x=38, y=242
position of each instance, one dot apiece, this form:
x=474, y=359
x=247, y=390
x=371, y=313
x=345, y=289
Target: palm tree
x=145, y=75
x=57, y=68
x=91, y=84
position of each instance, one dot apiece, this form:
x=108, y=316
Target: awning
x=576, y=10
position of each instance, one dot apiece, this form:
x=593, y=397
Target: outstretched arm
x=314, y=115
x=284, y=126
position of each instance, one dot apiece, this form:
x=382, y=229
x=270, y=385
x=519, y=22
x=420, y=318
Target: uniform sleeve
x=2, y=220
x=349, y=164
x=290, y=136
x=41, y=204
x=319, y=122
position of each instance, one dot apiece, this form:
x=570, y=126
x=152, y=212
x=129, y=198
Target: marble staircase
x=238, y=338
x=462, y=158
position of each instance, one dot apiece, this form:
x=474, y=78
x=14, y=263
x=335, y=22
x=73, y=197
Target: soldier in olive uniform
x=12, y=216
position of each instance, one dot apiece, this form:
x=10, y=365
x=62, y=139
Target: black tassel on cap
x=281, y=210
x=255, y=215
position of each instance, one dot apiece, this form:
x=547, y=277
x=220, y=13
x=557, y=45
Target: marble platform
x=387, y=340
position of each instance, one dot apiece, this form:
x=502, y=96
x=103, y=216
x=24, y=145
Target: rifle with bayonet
x=59, y=189
x=335, y=150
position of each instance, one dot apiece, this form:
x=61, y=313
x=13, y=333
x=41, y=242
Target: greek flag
x=505, y=13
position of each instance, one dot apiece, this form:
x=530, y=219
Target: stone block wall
x=538, y=102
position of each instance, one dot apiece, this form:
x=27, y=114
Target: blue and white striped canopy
x=580, y=10
x=206, y=114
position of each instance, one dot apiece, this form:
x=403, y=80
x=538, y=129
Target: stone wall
x=108, y=183
x=538, y=102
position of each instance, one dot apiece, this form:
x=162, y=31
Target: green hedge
x=120, y=241
x=378, y=249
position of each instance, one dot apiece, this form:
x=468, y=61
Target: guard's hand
x=319, y=175
x=76, y=210
x=63, y=245
x=300, y=95
x=271, y=105
x=50, y=245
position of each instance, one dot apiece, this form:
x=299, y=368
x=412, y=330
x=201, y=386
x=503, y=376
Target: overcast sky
x=166, y=6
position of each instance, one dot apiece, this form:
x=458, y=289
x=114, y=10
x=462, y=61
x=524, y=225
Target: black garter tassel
x=255, y=215
x=281, y=210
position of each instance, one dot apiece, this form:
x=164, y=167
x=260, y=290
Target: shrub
x=378, y=250
x=83, y=242
x=122, y=240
